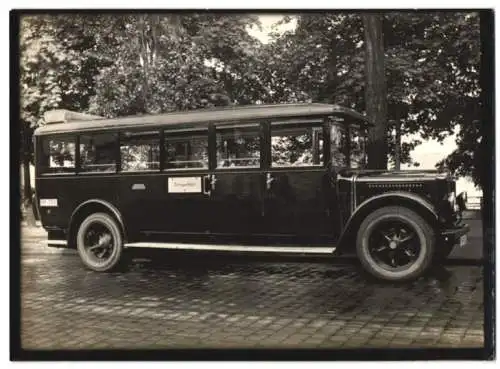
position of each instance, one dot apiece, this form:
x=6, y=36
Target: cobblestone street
x=200, y=301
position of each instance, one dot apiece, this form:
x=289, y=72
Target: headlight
x=452, y=200
x=462, y=201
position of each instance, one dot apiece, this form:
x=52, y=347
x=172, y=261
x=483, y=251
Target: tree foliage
x=431, y=63
x=167, y=63
x=140, y=63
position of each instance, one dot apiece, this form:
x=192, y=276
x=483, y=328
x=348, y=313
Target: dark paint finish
x=344, y=197
x=303, y=204
x=296, y=202
x=183, y=212
x=236, y=202
x=70, y=192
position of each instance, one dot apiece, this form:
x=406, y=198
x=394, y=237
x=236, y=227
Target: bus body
x=283, y=178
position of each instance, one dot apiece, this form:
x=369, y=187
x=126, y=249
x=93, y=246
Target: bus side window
x=296, y=145
x=58, y=154
x=186, y=150
x=140, y=151
x=238, y=146
x=98, y=152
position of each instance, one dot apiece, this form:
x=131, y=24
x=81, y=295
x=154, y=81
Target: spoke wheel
x=99, y=242
x=395, y=243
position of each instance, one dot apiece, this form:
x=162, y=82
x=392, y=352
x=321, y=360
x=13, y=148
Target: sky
x=427, y=154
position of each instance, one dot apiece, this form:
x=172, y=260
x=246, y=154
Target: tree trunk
x=397, y=147
x=26, y=136
x=27, y=193
x=27, y=179
x=145, y=60
x=375, y=91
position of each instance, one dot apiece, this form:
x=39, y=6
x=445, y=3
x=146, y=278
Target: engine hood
x=394, y=175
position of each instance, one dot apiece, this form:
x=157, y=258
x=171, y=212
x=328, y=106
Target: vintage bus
x=286, y=178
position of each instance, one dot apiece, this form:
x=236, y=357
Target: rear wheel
x=99, y=242
x=395, y=244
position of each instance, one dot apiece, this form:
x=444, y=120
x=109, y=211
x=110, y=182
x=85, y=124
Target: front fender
x=410, y=200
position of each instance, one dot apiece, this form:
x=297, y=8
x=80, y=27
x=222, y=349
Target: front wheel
x=99, y=242
x=395, y=244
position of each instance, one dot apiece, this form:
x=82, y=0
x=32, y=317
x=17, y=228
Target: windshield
x=338, y=136
x=348, y=146
x=357, y=152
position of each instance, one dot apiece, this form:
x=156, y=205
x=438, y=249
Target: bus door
x=185, y=203
x=139, y=183
x=297, y=186
x=236, y=179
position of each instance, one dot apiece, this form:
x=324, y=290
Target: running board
x=189, y=246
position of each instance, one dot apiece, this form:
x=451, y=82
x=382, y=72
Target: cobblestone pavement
x=200, y=301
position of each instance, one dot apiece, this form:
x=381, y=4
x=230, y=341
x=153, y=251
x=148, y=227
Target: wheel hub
x=394, y=245
x=105, y=240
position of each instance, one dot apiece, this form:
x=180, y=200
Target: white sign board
x=48, y=203
x=184, y=185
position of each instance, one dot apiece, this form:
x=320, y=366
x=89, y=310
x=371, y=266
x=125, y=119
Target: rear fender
x=89, y=207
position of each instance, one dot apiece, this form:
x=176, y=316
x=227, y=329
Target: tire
x=380, y=260
x=112, y=250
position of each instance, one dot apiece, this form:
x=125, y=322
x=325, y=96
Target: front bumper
x=453, y=235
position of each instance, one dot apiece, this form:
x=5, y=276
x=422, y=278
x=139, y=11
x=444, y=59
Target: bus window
x=186, y=150
x=238, y=146
x=140, y=151
x=58, y=155
x=339, y=145
x=296, y=146
x=98, y=152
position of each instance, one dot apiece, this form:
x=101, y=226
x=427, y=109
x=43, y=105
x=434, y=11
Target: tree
x=39, y=87
x=473, y=156
x=467, y=104
x=203, y=60
x=375, y=89
x=57, y=69
x=431, y=64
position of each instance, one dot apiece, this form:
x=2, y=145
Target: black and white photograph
x=281, y=184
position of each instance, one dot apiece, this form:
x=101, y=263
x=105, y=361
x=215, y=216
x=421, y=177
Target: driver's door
x=298, y=185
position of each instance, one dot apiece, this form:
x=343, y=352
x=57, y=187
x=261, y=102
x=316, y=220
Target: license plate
x=463, y=240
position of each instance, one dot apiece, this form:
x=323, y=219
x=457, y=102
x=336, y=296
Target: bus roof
x=197, y=118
